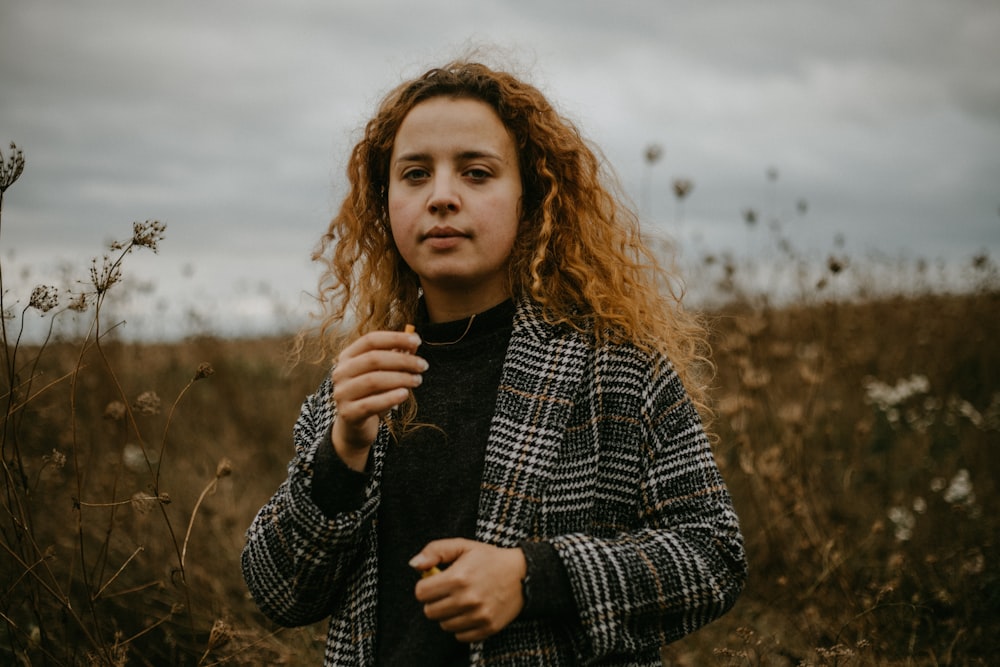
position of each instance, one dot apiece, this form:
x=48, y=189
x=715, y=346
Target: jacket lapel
x=542, y=373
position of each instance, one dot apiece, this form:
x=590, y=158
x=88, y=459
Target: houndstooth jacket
x=597, y=450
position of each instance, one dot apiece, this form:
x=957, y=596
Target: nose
x=444, y=198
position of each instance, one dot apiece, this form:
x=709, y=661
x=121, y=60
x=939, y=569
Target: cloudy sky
x=229, y=121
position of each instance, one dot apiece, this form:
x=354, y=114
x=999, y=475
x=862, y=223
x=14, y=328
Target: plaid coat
x=597, y=450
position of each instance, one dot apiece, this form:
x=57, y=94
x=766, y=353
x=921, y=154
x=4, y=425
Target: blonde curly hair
x=579, y=254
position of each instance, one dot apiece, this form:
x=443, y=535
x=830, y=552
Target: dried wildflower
x=148, y=234
x=109, y=274
x=835, y=265
x=903, y=522
x=148, y=403
x=78, y=303
x=975, y=563
x=809, y=375
x=56, y=459
x=219, y=635
x=134, y=458
x=204, y=370
x=44, y=298
x=750, y=217
x=754, y=378
x=886, y=397
x=10, y=170
x=682, y=187
x=967, y=410
x=792, y=413
x=115, y=411
x=959, y=490
x=730, y=405
x=224, y=469
x=653, y=153
x=835, y=652
x=142, y=502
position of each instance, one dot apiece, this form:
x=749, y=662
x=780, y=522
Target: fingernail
x=424, y=365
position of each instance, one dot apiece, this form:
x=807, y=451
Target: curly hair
x=579, y=254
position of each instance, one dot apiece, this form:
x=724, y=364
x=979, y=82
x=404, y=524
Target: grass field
x=859, y=441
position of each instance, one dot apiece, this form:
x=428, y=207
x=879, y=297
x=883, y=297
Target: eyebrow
x=463, y=156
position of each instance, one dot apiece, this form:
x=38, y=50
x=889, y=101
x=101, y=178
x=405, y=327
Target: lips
x=443, y=232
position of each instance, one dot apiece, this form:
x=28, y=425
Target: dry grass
x=864, y=547
x=859, y=441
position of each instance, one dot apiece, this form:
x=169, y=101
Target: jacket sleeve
x=297, y=558
x=681, y=563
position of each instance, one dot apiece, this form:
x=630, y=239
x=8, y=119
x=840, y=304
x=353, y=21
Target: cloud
x=231, y=121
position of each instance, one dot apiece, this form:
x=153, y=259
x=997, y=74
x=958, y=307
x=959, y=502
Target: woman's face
x=455, y=203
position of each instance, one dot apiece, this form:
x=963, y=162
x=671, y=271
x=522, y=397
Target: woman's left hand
x=479, y=592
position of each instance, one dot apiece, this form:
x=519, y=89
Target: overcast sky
x=229, y=121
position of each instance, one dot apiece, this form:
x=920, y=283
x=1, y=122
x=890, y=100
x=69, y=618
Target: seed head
x=653, y=153
x=115, y=411
x=109, y=274
x=682, y=187
x=78, y=303
x=57, y=459
x=11, y=168
x=220, y=634
x=204, y=370
x=44, y=298
x=224, y=469
x=147, y=234
x=142, y=502
x=148, y=403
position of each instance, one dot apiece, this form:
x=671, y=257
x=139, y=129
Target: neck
x=441, y=308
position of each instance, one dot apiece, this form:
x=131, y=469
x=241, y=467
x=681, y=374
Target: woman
x=525, y=479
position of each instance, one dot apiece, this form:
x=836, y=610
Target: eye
x=415, y=174
x=477, y=174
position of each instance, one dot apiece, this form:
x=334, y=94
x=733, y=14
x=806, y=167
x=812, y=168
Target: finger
x=372, y=385
x=441, y=551
x=360, y=409
x=375, y=361
x=383, y=340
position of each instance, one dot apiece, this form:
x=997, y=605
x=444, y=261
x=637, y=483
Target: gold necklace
x=457, y=340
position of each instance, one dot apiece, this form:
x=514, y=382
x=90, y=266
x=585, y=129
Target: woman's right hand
x=373, y=375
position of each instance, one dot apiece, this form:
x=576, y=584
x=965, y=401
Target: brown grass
x=814, y=467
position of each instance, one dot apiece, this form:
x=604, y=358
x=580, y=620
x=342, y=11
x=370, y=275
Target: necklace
x=457, y=340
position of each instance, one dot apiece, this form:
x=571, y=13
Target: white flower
x=960, y=489
x=886, y=396
x=903, y=522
